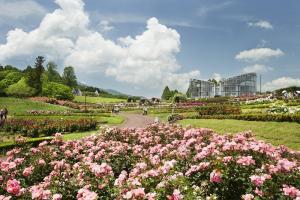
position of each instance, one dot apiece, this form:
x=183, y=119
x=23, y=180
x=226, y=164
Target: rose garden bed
x=158, y=162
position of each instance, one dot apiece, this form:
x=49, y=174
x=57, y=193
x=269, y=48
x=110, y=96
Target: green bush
x=20, y=89
x=218, y=109
x=252, y=117
x=57, y=90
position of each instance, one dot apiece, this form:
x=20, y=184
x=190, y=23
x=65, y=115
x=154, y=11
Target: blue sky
x=170, y=41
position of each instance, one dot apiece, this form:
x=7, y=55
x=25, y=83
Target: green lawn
x=18, y=106
x=277, y=133
x=106, y=118
x=98, y=99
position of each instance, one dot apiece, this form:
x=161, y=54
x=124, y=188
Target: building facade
x=242, y=85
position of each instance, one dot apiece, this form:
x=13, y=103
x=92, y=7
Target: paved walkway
x=135, y=120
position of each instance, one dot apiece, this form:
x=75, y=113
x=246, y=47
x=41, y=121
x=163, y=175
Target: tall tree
x=166, y=93
x=34, y=77
x=52, y=73
x=69, y=77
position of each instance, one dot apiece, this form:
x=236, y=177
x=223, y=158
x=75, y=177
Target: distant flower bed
x=38, y=127
x=48, y=112
x=251, y=117
x=56, y=102
x=158, y=162
x=283, y=109
x=218, y=109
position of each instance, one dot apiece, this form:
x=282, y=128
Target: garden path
x=135, y=120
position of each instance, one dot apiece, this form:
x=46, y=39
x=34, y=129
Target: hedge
x=218, y=109
x=252, y=117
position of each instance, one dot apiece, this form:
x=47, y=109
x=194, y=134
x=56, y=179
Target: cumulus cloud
x=147, y=60
x=105, y=26
x=261, y=24
x=281, y=83
x=14, y=9
x=216, y=76
x=258, y=54
x=258, y=68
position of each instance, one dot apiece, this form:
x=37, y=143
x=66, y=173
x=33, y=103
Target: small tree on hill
x=69, y=77
x=52, y=73
x=166, y=93
x=34, y=77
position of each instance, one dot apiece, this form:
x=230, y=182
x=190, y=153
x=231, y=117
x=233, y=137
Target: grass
x=276, y=133
x=17, y=106
x=98, y=99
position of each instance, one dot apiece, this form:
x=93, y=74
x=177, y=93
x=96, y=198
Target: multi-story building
x=242, y=85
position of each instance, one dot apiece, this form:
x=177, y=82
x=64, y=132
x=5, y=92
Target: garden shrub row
x=38, y=127
x=69, y=104
x=218, y=109
x=252, y=117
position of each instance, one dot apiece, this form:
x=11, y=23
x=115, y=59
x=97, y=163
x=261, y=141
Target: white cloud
x=147, y=60
x=14, y=9
x=258, y=68
x=281, y=83
x=261, y=24
x=53, y=38
x=203, y=11
x=258, y=54
x=217, y=76
x=105, y=26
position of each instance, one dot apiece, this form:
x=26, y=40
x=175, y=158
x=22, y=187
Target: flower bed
x=38, y=127
x=56, y=102
x=158, y=162
x=48, y=112
x=251, y=117
x=218, y=109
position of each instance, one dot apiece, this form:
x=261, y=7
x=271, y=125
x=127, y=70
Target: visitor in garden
x=1, y=114
x=5, y=113
x=145, y=110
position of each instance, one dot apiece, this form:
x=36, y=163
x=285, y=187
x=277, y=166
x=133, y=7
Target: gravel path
x=135, y=120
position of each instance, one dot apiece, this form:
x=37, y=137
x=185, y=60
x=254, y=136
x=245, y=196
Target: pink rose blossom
x=215, y=177
x=13, y=187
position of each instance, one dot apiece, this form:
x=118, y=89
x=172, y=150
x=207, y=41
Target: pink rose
x=28, y=171
x=13, y=187
x=215, y=177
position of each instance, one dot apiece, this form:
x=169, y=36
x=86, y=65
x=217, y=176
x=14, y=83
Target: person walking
x=1, y=114
x=5, y=113
x=145, y=110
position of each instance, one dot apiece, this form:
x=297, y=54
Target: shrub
x=252, y=117
x=57, y=90
x=56, y=102
x=218, y=109
x=38, y=127
x=20, y=89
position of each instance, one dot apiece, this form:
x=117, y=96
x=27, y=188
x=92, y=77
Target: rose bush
x=48, y=127
x=158, y=162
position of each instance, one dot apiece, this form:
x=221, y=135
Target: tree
x=34, y=77
x=52, y=73
x=213, y=81
x=57, y=90
x=166, y=93
x=69, y=77
x=20, y=89
x=28, y=69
